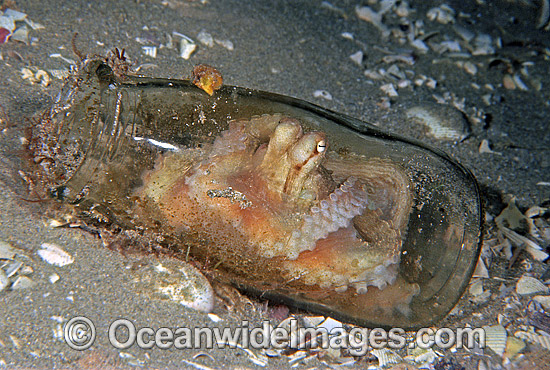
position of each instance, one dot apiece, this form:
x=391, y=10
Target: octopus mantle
x=265, y=198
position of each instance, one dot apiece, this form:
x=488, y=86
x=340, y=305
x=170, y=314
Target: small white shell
x=483, y=45
x=7, y=251
x=484, y=147
x=357, y=58
x=519, y=83
x=330, y=324
x=386, y=357
x=60, y=74
x=54, y=255
x=205, y=38
x=389, y=89
x=375, y=18
x=423, y=357
x=470, y=68
x=347, y=35
x=481, y=270
x=228, y=44
x=322, y=94
x=214, y=317
x=4, y=281
x=186, y=48
x=529, y=285
x=312, y=321
x=476, y=288
x=443, y=14
x=53, y=278
x=187, y=45
x=188, y=287
x=535, y=211
x=495, y=338
x=150, y=51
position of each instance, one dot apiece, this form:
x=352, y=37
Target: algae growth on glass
x=290, y=202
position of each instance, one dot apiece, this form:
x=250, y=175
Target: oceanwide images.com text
x=80, y=334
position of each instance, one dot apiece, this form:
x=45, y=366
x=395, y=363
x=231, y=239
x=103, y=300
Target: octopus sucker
x=289, y=206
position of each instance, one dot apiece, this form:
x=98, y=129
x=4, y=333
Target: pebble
x=508, y=82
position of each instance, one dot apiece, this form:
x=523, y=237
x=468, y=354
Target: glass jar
x=288, y=201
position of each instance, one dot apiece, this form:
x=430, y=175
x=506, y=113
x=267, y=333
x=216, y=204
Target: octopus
x=269, y=200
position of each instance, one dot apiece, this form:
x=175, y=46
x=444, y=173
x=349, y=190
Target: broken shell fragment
x=22, y=282
x=542, y=339
x=357, y=58
x=7, y=251
x=529, y=285
x=4, y=281
x=513, y=347
x=443, y=14
x=322, y=94
x=186, y=45
x=495, y=338
x=386, y=357
x=286, y=200
x=205, y=38
x=543, y=300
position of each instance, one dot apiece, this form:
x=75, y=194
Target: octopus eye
x=321, y=146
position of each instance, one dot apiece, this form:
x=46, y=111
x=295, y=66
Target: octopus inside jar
x=270, y=201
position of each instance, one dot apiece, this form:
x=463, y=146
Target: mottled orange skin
x=269, y=181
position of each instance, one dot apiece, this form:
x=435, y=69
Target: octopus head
x=291, y=163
